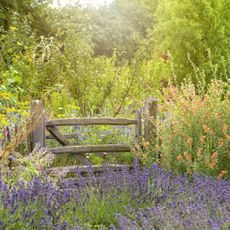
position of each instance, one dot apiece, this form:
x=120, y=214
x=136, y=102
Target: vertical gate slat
x=150, y=131
x=37, y=113
x=138, y=130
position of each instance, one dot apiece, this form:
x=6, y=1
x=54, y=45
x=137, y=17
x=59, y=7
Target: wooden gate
x=38, y=135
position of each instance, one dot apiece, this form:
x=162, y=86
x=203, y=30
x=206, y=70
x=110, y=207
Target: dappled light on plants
x=160, y=66
x=193, y=129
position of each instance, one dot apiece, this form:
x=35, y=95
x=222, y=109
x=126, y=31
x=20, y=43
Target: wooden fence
x=38, y=135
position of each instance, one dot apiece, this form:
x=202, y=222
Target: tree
x=121, y=26
x=36, y=13
x=199, y=28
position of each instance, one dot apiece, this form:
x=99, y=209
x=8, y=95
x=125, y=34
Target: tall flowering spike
x=136, y=166
x=166, y=195
x=112, y=227
x=1, y=224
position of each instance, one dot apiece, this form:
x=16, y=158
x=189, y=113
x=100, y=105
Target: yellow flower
x=217, y=115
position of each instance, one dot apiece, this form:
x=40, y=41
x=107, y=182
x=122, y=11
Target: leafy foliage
x=121, y=26
x=194, y=28
x=193, y=130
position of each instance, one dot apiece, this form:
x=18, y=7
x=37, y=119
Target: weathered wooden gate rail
x=38, y=135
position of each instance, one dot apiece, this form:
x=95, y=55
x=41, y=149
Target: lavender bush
x=148, y=198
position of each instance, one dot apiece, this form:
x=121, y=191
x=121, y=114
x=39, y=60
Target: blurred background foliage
x=121, y=50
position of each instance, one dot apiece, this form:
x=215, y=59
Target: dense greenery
x=107, y=61
x=125, y=48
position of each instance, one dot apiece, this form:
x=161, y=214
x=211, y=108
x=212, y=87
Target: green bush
x=194, y=130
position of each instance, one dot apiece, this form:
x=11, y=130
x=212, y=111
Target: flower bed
x=148, y=198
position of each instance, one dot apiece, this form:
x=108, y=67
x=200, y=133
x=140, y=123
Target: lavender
x=146, y=198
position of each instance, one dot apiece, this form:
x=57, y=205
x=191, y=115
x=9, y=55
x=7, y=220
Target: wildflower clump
x=194, y=129
x=21, y=167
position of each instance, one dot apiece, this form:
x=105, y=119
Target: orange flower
x=213, y=164
x=223, y=172
x=202, y=138
x=187, y=156
x=211, y=131
x=205, y=128
x=146, y=144
x=220, y=143
x=189, y=141
x=199, y=151
x=175, y=132
x=179, y=158
x=184, y=136
x=214, y=155
x=228, y=137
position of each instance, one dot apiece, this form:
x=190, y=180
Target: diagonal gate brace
x=64, y=142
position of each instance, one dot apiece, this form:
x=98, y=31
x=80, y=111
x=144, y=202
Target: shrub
x=148, y=198
x=194, y=130
x=26, y=167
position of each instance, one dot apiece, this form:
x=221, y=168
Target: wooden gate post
x=38, y=127
x=138, y=130
x=150, y=111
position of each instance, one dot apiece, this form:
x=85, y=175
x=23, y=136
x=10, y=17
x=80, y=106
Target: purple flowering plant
x=95, y=135
x=143, y=198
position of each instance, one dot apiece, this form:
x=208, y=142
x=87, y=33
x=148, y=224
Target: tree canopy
x=121, y=52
